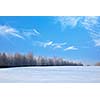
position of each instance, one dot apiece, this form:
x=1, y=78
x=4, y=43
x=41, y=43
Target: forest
x=97, y=64
x=19, y=60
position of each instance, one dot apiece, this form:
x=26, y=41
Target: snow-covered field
x=56, y=74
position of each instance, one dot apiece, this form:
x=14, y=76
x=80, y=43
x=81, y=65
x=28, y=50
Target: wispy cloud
x=30, y=32
x=97, y=42
x=70, y=48
x=42, y=44
x=68, y=21
x=93, y=26
x=58, y=45
x=90, y=23
x=96, y=39
x=36, y=32
x=7, y=30
x=47, y=44
x=55, y=45
x=51, y=44
x=22, y=34
x=86, y=21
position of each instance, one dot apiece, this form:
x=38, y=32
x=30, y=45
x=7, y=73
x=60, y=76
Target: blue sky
x=74, y=38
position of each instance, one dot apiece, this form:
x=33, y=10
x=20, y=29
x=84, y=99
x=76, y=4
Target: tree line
x=17, y=59
x=97, y=64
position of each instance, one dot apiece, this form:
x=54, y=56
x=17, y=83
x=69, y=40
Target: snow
x=53, y=74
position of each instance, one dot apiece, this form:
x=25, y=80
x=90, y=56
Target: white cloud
x=86, y=21
x=48, y=44
x=44, y=44
x=97, y=42
x=36, y=32
x=70, y=48
x=51, y=44
x=7, y=30
x=96, y=39
x=68, y=21
x=90, y=23
x=57, y=47
x=93, y=26
x=55, y=44
x=95, y=35
x=30, y=33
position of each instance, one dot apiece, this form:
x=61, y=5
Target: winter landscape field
x=50, y=49
x=53, y=74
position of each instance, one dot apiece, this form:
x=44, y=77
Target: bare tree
x=10, y=60
x=97, y=64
